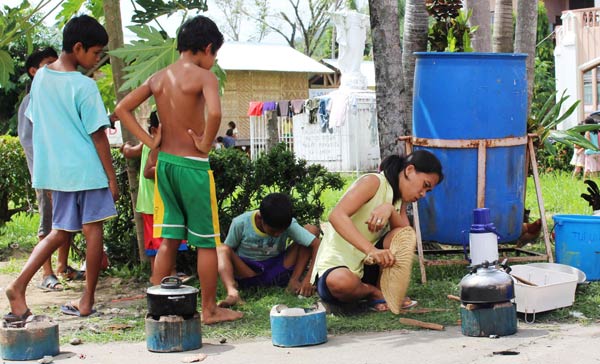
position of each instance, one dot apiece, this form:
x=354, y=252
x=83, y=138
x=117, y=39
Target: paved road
x=536, y=343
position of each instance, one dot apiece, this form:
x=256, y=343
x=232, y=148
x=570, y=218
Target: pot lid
x=171, y=285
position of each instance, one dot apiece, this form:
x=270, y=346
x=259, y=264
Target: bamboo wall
x=245, y=86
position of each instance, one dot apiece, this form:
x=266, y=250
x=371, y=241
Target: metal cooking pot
x=171, y=298
x=486, y=285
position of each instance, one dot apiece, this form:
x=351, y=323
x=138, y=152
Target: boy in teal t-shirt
x=71, y=158
x=256, y=250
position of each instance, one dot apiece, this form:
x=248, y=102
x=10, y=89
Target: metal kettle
x=486, y=284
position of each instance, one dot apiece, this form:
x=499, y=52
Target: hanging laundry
x=269, y=106
x=283, y=108
x=297, y=106
x=339, y=108
x=255, y=108
x=324, y=114
x=311, y=107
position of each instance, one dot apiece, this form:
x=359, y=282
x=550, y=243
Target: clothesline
x=329, y=110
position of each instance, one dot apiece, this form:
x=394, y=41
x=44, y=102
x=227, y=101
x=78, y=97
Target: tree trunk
x=387, y=55
x=525, y=39
x=502, y=39
x=114, y=28
x=481, y=40
x=415, y=40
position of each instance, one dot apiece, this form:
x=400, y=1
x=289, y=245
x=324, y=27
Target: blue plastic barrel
x=472, y=96
x=578, y=243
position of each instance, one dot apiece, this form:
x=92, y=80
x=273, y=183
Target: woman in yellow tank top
x=363, y=223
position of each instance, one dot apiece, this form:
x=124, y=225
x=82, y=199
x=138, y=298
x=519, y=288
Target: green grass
x=19, y=233
x=12, y=266
x=560, y=193
x=331, y=197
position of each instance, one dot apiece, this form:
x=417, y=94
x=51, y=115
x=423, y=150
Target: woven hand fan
x=395, y=279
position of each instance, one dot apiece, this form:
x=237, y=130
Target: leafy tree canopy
x=152, y=9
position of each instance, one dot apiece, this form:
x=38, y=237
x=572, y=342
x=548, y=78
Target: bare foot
x=16, y=299
x=230, y=301
x=377, y=302
x=408, y=303
x=84, y=306
x=220, y=315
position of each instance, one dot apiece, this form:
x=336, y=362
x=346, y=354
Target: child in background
x=72, y=158
x=592, y=158
x=233, y=128
x=578, y=160
x=145, y=197
x=228, y=139
x=219, y=143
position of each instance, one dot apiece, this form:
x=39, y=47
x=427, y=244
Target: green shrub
x=240, y=186
x=559, y=161
x=119, y=233
x=15, y=181
x=241, y=183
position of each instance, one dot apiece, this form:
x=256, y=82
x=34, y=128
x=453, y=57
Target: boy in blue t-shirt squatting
x=255, y=252
x=72, y=159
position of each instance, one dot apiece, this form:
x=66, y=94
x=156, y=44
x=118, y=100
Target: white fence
x=350, y=147
x=259, y=134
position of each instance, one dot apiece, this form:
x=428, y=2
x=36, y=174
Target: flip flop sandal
x=50, y=283
x=72, y=274
x=69, y=309
x=373, y=303
x=17, y=320
x=408, y=303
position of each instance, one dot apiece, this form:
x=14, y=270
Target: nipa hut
x=258, y=71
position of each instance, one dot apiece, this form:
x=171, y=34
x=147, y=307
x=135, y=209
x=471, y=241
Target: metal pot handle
x=170, y=282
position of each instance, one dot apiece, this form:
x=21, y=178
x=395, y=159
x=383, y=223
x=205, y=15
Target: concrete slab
x=536, y=343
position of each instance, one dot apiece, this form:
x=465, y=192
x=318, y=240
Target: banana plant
x=154, y=49
x=19, y=22
x=545, y=120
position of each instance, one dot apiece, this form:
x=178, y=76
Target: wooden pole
x=408, y=148
x=481, y=174
x=538, y=193
x=114, y=28
x=422, y=324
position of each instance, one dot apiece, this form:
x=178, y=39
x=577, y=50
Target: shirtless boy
x=185, y=206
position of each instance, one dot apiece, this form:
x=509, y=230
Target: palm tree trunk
x=525, y=38
x=415, y=40
x=387, y=55
x=502, y=39
x=482, y=38
x=114, y=28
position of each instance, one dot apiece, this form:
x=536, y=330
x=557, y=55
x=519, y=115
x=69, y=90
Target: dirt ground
x=114, y=297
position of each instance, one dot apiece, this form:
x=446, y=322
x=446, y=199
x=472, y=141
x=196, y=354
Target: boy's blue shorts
x=70, y=210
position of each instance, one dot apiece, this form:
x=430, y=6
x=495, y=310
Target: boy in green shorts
x=189, y=108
